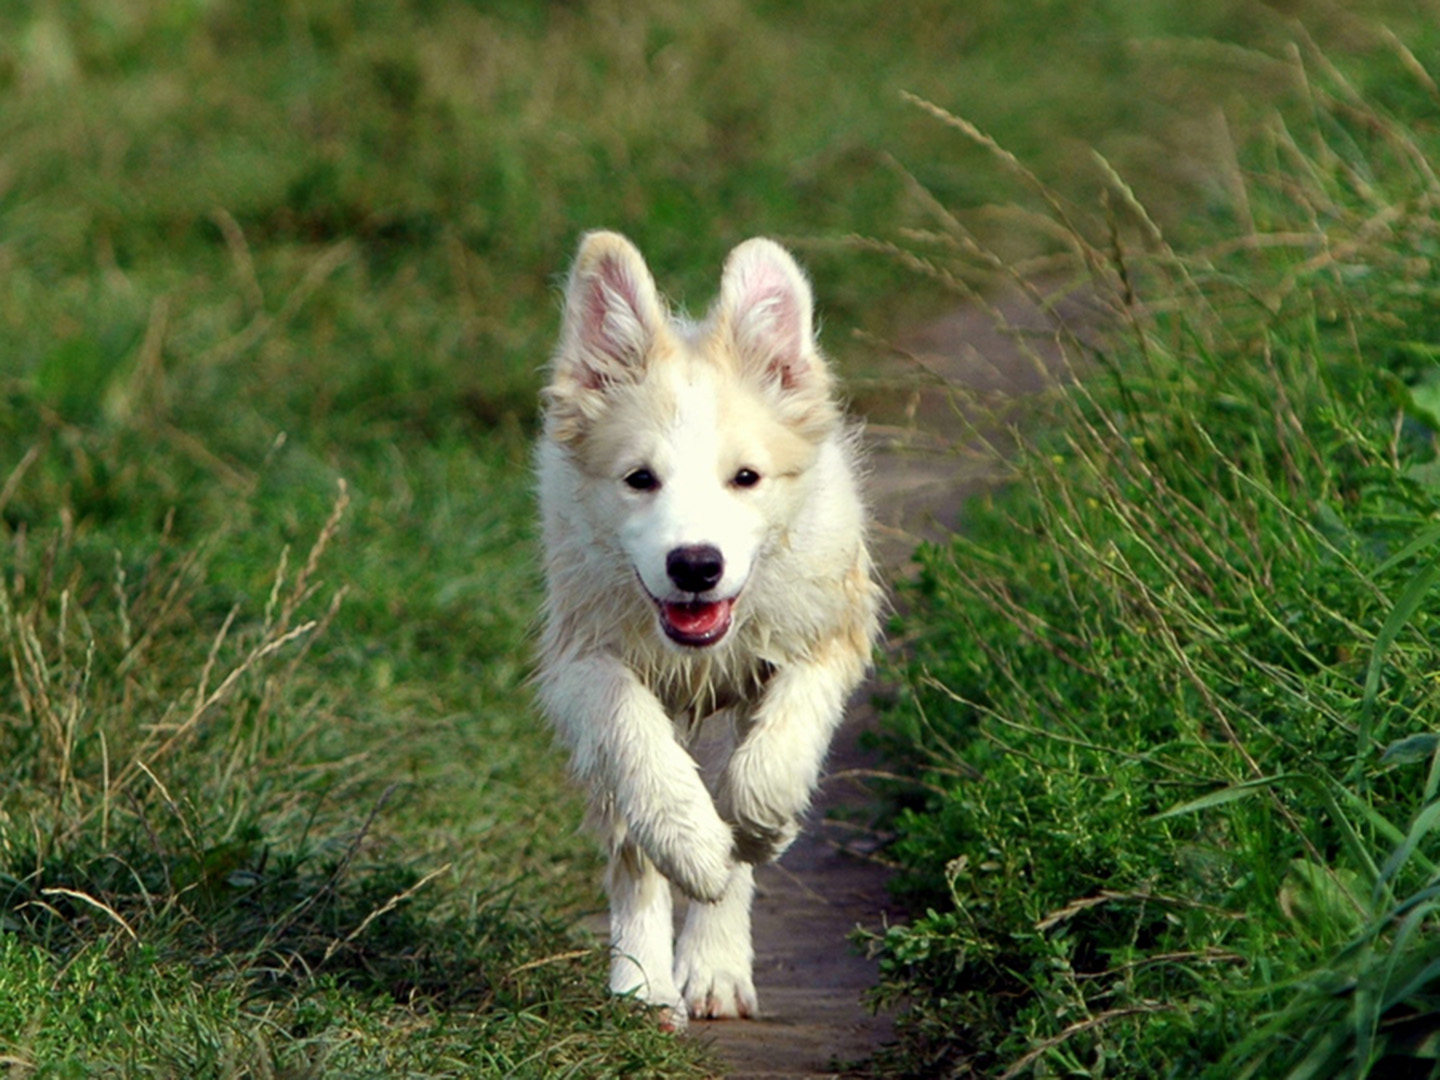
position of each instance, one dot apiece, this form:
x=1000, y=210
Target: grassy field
x=275, y=283
x=1172, y=694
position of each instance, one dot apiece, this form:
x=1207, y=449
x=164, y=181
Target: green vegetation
x=275, y=283
x=1173, y=692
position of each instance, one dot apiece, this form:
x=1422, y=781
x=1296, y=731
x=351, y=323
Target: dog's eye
x=641, y=480
x=745, y=478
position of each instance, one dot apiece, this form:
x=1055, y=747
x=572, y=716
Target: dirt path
x=811, y=981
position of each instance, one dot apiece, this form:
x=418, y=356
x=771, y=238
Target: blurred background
x=236, y=162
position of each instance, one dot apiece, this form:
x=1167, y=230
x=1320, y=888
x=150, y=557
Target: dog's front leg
x=770, y=776
x=657, y=814
x=624, y=747
x=765, y=789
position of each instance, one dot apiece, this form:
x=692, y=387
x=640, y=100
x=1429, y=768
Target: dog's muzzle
x=695, y=569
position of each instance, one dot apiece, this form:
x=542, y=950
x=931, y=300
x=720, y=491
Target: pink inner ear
x=771, y=326
x=611, y=294
x=613, y=328
x=785, y=338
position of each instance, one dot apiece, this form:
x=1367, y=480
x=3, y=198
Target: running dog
x=705, y=560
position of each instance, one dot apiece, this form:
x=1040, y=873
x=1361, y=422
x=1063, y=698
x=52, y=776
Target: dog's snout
x=695, y=567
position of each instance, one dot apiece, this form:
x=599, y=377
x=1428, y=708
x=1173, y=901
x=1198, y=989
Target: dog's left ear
x=766, y=307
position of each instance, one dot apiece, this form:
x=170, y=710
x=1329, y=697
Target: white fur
x=734, y=421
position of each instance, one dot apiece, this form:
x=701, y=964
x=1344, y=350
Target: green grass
x=1172, y=694
x=275, y=285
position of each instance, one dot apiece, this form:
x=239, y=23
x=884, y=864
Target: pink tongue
x=695, y=620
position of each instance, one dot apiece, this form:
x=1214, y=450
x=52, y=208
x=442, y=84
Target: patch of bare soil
x=924, y=464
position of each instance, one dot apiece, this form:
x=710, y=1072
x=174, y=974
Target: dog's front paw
x=763, y=800
x=672, y=1018
x=716, y=990
x=698, y=860
x=756, y=843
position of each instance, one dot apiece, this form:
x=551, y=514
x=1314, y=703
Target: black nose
x=695, y=567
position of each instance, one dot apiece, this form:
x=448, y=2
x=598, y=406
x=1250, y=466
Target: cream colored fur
x=718, y=445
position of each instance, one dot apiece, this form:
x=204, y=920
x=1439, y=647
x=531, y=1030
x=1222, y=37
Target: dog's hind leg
x=714, y=956
x=641, y=956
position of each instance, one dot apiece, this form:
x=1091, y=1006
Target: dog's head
x=691, y=439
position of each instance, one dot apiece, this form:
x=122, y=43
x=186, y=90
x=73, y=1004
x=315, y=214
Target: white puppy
x=705, y=558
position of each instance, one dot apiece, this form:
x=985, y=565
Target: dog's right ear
x=612, y=315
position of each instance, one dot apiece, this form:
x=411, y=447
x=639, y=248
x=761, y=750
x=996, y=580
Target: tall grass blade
x=1400, y=615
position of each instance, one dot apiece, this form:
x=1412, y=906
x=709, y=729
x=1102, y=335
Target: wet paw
x=718, y=995
x=756, y=843
x=672, y=1018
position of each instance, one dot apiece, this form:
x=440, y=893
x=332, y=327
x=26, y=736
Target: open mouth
x=696, y=623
